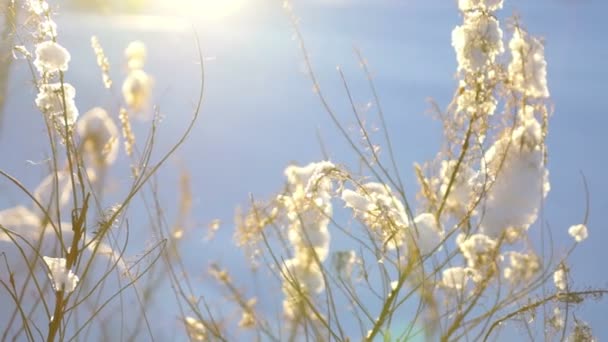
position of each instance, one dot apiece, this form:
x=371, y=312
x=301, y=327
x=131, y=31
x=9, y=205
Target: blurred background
x=260, y=113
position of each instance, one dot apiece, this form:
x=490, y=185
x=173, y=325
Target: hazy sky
x=260, y=113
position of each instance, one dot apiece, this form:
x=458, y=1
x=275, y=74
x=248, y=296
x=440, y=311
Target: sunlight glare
x=209, y=9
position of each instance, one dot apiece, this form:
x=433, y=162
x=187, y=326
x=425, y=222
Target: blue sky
x=260, y=113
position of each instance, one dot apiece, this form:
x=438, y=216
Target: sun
x=207, y=9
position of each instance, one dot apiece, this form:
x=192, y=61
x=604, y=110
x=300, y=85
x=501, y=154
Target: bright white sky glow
x=211, y=10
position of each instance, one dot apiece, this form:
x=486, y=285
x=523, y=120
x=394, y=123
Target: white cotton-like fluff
x=487, y=5
x=50, y=101
x=47, y=28
x=477, y=249
x=309, y=209
x=377, y=206
x=560, y=279
x=99, y=136
x=310, y=177
x=136, y=55
x=427, y=233
x=313, y=237
x=476, y=102
x=514, y=199
x=518, y=178
x=578, y=232
x=528, y=68
x=456, y=278
x=522, y=267
x=477, y=41
x=136, y=89
x=63, y=279
x=356, y=201
x=38, y=7
x=300, y=279
x=462, y=191
x=51, y=57
x=308, y=275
